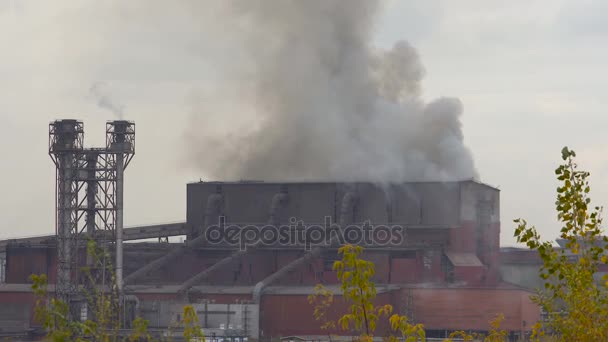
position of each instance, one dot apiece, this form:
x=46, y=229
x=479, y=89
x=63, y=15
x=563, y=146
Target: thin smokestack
x=322, y=102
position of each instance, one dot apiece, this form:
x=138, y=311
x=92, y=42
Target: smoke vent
x=348, y=208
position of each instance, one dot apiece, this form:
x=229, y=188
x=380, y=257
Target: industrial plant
x=445, y=270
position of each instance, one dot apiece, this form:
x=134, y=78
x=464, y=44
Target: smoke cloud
x=307, y=97
x=106, y=100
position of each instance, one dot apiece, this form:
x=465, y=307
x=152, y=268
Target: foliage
x=140, y=330
x=54, y=316
x=576, y=304
x=192, y=330
x=409, y=332
x=102, y=301
x=357, y=288
x=322, y=300
x=102, y=305
x=495, y=334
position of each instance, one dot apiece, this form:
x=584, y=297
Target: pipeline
x=261, y=286
x=279, y=200
x=215, y=204
x=347, y=208
x=349, y=202
x=204, y=274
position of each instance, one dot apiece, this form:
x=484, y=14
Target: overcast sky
x=530, y=74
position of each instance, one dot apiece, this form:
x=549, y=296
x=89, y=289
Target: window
x=2, y=270
x=83, y=312
x=404, y=255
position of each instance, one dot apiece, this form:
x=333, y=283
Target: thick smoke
x=106, y=100
x=309, y=98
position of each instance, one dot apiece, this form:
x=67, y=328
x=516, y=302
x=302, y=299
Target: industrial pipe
x=214, y=206
x=348, y=204
x=279, y=200
x=215, y=203
x=259, y=287
x=120, y=174
x=126, y=299
x=204, y=274
x=347, y=208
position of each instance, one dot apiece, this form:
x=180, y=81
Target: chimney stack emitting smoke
x=327, y=105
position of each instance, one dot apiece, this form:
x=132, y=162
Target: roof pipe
x=215, y=206
x=279, y=201
x=347, y=208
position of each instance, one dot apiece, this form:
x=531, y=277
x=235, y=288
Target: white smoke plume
x=307, y=97
x=106, y=100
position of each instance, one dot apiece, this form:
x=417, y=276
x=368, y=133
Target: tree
x=322, y=300
x=54, y=316
x=577, y=305
x=140, y=330
x=102, y=302
x=358, y=289
x=409, y=332
x=355, y=275
x=495, y=335
x=192, y=330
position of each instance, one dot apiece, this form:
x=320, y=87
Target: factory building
x=444, y=271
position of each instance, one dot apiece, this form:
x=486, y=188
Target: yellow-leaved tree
x=576, y=303
x=359, y=291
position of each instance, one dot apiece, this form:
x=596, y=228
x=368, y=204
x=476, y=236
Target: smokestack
x=120, y=141
x=320, y=102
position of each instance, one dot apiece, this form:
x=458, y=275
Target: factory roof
x=276, y=182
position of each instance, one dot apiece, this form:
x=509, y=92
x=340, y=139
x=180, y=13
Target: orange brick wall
x=473, y=308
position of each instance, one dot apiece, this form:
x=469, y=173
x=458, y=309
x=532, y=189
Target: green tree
x=577, y=305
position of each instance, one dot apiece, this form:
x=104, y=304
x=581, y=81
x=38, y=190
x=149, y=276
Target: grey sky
x=530, y=74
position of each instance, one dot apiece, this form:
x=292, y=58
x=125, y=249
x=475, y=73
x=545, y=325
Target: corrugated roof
x=463, y=259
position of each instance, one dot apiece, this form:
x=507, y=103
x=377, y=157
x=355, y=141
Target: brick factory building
x=446, y=273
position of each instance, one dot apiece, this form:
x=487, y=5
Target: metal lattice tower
x=89, y=200
x=65, y=148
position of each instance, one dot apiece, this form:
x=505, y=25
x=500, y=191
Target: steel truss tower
x=89, y=203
